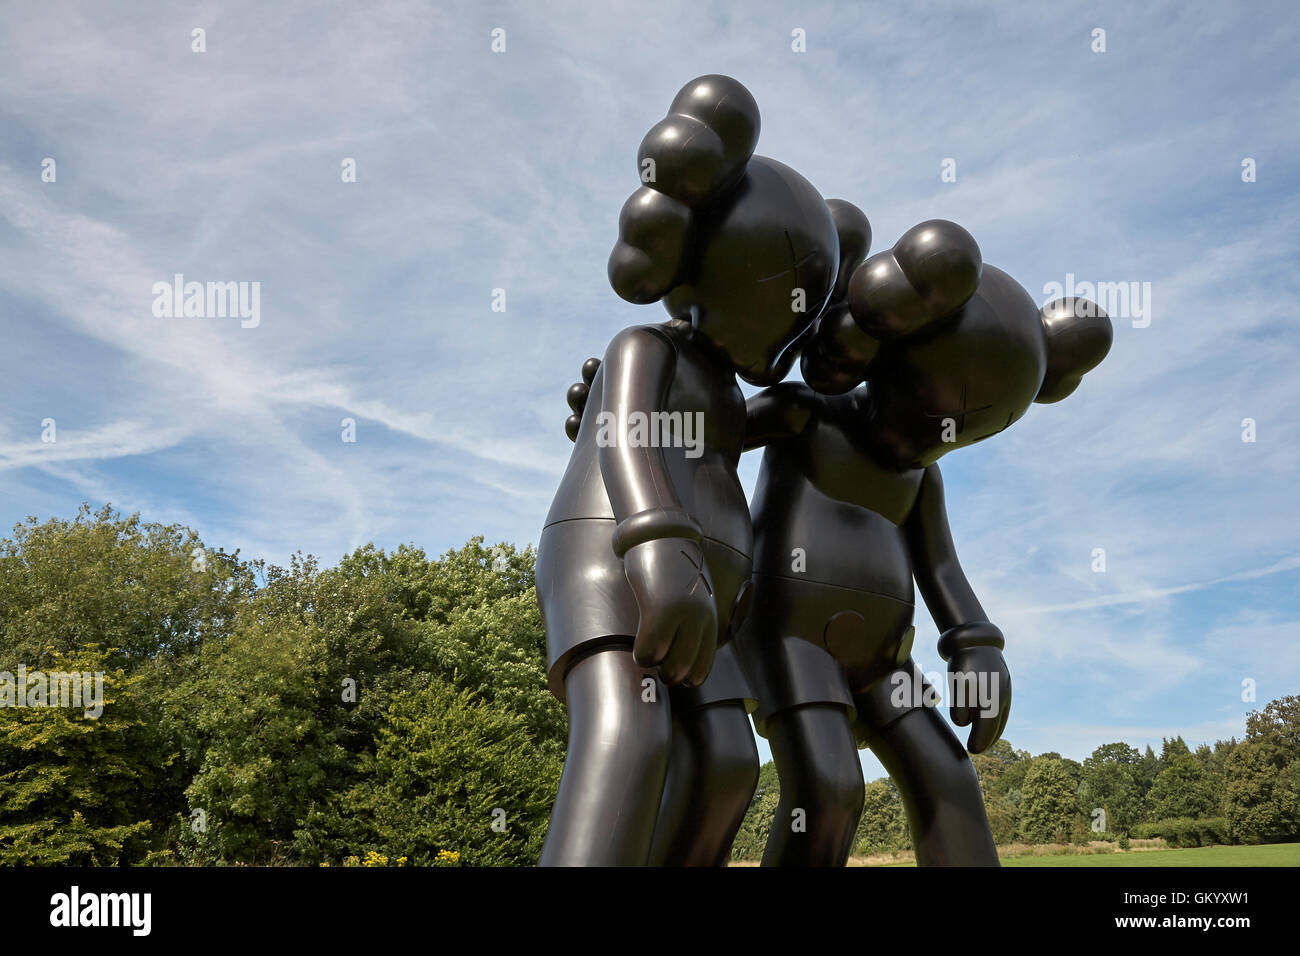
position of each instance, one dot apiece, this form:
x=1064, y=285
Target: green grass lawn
x=1276, y=854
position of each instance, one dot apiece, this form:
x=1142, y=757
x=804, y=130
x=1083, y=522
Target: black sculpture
x=643, y=567
x=848, y=509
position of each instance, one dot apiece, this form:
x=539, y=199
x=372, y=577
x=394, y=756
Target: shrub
x=1185, y=831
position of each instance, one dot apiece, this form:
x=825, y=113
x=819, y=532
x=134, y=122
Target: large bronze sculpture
x=649, y=557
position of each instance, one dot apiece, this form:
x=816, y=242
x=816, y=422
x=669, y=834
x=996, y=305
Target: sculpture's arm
x=776, y=414
x=773, y=415
x=659, y=542
x=938, y=573
x=969, y=643
x=639, y=366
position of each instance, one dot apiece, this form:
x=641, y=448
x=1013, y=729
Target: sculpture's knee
x=711, y=779
x=923, y=754
x=821, y=776
x=957, y=776
x=614, y=712
x=619, y=739
x=730, y=757
x=831, y=795
x=940, y=791
x=817, y=817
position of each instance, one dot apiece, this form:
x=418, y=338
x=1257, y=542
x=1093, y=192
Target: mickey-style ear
x=696, y=153
x=1079, y=336
x=838, y=354
x=701, y=147
x=855, y=242
x=929, y=274
x=654, y=232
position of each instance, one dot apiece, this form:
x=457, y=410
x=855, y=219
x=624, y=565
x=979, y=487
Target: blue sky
x=478, y=171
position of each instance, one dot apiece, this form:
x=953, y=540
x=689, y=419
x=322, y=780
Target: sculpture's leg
x=614, y=772
x=939, y=787
x=712, y=774
x=821, y=787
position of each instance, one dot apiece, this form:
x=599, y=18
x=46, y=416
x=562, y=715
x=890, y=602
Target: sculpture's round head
x=740, y=246
x=952, y=351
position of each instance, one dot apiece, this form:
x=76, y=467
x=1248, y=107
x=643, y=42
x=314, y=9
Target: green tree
x=1049, y=804
x=1257, y=795
x=882, y=828
x=255, y=694
x=72, y=785
x=490, y=650
x=265, y=752
x=453, y=773
x=286, y=768
x=1278, y=723
x=1110, y=782
x=144, y=590
x=1213, y=760
x=1004, y=817
x=1147, y=768
x=993, y=764
x=1181, y=789
x=1001, y=770
x=150, y=594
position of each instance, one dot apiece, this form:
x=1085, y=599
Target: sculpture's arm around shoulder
x=777, y=414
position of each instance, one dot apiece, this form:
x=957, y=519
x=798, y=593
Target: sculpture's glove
x=678, y=628
x=979, y=673
x=577, y=397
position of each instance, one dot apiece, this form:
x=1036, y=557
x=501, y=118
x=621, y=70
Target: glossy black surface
x=650, y=558
x=849, y=510
x=645, y=559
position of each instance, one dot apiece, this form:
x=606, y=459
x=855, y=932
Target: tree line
x=1236, y=791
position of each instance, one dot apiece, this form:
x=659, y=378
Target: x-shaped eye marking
x=796, y=263
x=961, y=415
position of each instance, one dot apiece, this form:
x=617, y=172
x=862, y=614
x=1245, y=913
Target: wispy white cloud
x=1151, y=594
x=113, y=440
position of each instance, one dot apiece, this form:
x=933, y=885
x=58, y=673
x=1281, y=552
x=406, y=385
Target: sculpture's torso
x=831, y=563
x=822, y=492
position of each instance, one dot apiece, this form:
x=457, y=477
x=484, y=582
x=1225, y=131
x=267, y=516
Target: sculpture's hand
x=577, y=397
x=982, y=672
x=678, y=628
